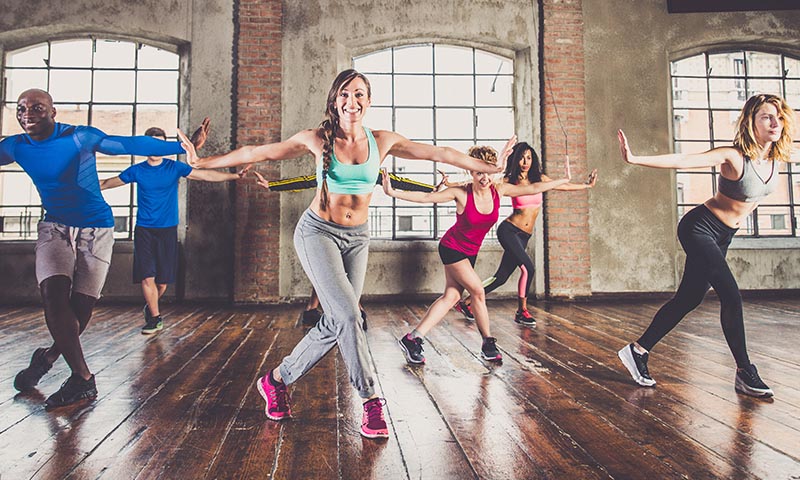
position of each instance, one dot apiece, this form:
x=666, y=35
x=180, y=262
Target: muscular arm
x=139, y=145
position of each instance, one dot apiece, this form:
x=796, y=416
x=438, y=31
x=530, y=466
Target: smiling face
x=353, y=100
x=767, y=124
x=36, y=114
x=481, y=180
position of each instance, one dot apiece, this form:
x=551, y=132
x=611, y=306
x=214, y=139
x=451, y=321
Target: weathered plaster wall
x=633, y=215
x=201, y=31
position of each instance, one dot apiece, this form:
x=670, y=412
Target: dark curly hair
x=512, y=165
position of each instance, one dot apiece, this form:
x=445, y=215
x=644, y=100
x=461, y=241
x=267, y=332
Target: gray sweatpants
x=335, y=259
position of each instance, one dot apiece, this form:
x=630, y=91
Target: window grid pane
x=708, y=91
x=445, y=95
x=93, y=82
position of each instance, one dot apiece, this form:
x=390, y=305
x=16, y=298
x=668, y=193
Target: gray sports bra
x=750, y=187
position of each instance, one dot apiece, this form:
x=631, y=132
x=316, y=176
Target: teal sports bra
x=353, y=179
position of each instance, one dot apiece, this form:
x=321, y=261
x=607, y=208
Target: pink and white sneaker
x=373, y=425
x=277, y=399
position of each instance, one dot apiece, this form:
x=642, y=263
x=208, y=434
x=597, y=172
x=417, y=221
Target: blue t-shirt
x=158, y=191
x=63, y=168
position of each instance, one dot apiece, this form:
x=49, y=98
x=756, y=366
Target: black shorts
x=155, y=254
x=450, y=256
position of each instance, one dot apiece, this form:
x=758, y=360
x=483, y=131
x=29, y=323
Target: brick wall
x=257, y=120
x=567, y=213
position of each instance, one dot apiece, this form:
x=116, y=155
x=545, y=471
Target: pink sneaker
x=373, y=424
x=464, y=309
x=277, y=399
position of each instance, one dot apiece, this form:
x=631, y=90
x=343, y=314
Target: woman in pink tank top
x=477, y=207
x=523, y=168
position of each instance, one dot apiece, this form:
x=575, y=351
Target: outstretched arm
x=299, y=144
x=215, y=175
x=405, y=148
x=709, y=158
x=417, y=197
x=112, y=182
x=590, y=182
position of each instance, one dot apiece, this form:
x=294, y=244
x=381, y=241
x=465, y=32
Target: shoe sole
x=266, y=408
x=150, y=331
x=408, y=355
x=377, y=434
x=91, y=397
x=525, y=324
x=629, y=363
x=744, y=389
x=498, y=358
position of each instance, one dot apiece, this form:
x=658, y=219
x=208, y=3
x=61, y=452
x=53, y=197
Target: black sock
x=272, y=380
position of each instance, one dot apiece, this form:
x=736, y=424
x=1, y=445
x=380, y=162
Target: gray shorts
x=81, y=253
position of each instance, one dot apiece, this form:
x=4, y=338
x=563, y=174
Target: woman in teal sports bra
x=523, y=168
x=332, y=237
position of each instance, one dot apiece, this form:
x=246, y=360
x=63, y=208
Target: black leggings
x=514, y=241
x=705, y=240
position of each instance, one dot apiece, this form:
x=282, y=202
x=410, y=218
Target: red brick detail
x=567, y=219
x=258, y=121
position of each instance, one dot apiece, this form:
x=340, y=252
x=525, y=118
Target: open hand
x=260, y=179
x=624, y=148
x=592, y=178
x=191, y=154
x=387, y=183
x=200, y=135
x=507, y=150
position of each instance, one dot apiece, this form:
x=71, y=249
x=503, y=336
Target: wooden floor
x=183, y=404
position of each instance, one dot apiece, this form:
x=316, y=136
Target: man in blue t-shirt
x=75, y=237
x=155, y=239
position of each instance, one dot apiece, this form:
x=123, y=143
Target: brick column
x=257, y=120
x=567, y=213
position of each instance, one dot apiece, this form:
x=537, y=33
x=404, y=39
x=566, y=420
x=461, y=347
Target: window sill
x=765, y=243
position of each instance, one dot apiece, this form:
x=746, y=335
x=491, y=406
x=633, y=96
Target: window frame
x=435, y=211
x=90, y=105
x=741, y=80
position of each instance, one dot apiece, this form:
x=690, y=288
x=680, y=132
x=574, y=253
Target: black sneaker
x=489, y=349
x=28, y=378
x=636, y=365
x=152, y=326
x=74, y=389
x=464, y=309
x=412, y=347
x=311, y=317
x=523, y=317
x=748, y=382
x=364, y=319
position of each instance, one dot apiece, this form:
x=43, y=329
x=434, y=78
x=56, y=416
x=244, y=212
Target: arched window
x=708, y=91
x=120, y=87
x=440, y=94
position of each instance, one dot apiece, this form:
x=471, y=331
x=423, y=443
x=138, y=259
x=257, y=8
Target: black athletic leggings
x=705, y=240
x=514, y=241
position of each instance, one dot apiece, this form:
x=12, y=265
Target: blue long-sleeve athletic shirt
x=64, y=169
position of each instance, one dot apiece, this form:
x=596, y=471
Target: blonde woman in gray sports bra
x=748, y=173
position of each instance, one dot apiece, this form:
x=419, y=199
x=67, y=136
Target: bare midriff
x=344, y=209
x=730, y=212
x=524, y=218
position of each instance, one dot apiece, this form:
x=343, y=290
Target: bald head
x=36, y=114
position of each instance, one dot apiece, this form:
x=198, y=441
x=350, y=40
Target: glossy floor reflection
x=183, y=403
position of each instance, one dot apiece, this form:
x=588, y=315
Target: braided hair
x=513, y=169
x=330, y=125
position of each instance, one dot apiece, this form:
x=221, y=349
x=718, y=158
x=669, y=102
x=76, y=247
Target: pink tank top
x=471, y=226
x=527, y=201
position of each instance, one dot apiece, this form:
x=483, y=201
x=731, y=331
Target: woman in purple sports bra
x=523, y=168
x=748, y=174
x=477, y=209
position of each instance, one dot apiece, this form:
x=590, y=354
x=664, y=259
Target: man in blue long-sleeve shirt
x=75, y=237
